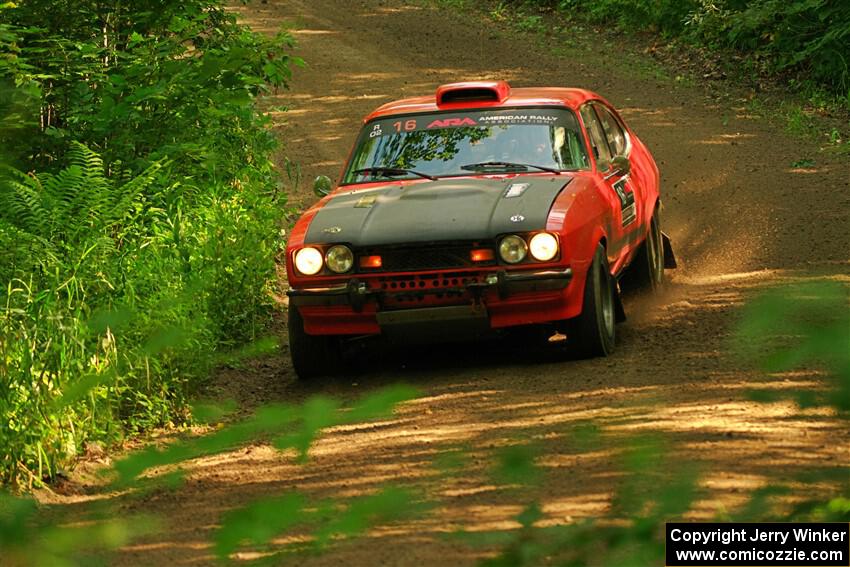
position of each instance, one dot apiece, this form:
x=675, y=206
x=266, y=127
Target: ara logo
x=449, y=122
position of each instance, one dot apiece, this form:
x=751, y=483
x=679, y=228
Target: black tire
x=592, y=333
x=312, y=355
x=646, y=272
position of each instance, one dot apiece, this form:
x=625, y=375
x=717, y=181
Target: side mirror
x=322, y=185
x=621, y=163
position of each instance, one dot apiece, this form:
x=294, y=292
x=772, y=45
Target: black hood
x=447, y=209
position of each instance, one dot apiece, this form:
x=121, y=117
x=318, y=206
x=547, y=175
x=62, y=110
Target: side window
x=613, y=131
x=597, y=137
x=578, y=155
x=568, y=149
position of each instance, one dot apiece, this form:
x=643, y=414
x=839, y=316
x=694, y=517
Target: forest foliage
x=139, y=215
x=807, y=41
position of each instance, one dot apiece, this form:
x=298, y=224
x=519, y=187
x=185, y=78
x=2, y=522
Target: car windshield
x=461, y=143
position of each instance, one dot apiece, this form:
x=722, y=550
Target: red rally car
x=481, y=208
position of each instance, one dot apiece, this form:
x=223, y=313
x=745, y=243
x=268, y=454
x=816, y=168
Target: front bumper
x=492, y=300
x=356, y=292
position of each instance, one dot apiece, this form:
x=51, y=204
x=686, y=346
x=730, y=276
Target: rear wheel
x=312, y=355
x=592, y=332
x=646, y=271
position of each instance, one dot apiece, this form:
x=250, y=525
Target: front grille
x=405, y=259
x=426, y=257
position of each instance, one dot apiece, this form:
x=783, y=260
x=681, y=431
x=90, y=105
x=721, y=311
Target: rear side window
x=613, y=131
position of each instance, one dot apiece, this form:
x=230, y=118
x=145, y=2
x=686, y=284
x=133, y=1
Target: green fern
x=75, y=204
x=130, y=194
x=21, y=201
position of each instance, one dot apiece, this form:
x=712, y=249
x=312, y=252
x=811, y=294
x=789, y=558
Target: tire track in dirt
x=740, y=217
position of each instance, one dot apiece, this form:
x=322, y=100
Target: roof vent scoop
x=473, y=91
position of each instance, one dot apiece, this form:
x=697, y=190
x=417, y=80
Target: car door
x=613, y=170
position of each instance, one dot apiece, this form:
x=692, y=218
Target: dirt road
x=740, y=217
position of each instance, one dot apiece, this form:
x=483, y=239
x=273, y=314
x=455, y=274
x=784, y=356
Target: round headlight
x=339, y=259
x=513, y=249
x=308, y=261
x=543, y=246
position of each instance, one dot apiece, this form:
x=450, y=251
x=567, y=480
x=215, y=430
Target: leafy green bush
x=811, y=36
x=661, y=15
x=139, y=213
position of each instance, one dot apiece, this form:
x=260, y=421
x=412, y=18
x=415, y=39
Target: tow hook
x=357, y=293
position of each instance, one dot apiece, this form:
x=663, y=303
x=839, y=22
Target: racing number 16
x=408, y=125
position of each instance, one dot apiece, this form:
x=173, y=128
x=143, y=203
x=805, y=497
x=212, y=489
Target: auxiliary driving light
x=339, y=259
x=513, y=249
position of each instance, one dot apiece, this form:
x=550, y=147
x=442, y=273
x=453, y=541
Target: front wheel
x=592, y=333
x=312, y=355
